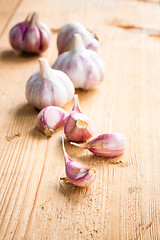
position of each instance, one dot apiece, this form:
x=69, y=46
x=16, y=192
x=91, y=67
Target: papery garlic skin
x=77, y=173
x=106, y=145
x=84, y=67
x=65, y=37
x=30, y=36
x=78, y=127
x=49, y=87
x=50, y=118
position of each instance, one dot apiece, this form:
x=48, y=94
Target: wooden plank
x=8, y=9
x=124, y=202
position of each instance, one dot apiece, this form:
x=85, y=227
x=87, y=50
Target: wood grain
x=7, y=12
x=124, y=201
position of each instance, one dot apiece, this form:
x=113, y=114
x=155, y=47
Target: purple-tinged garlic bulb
x=105, y=145
x=78, y=126
x=65, y=37
x=30, y=36
x=84, y=67
x=49, y=87
x=50, y=118
x=77, y=173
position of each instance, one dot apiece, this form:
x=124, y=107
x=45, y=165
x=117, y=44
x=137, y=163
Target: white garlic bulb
x=65, y=37
x=84, y=67
x=49, y=87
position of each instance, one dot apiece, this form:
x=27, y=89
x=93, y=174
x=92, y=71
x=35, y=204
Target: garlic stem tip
x=64, y=150
x=42, y=59
x=34, y=19
x=78, y=44
x=76, y=103
x=75, y=144
x=81, y=145
x=44, y=66
x=75, y=97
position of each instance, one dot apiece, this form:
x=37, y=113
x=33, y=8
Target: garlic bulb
x=49, y=87
x=78, y=126
x=106, y=145
x=65, y=35
x=30, y=36
x=50, y=118
x=84, y=67
x=77, y=173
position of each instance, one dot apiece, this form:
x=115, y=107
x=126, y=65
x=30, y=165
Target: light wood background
x=124, y=201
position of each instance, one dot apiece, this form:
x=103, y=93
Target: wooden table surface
x=124, y=201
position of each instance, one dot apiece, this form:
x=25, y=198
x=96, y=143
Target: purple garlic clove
x=30, y=36
x=77, y=173
x=105, y=145
x=50, y=118
x=78, y=126
x=65, y=37
x=85, y=68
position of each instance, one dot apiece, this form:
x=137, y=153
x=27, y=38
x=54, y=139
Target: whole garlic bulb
x=65, y=36
x=84, y=67
x=49, y=87
x=30, y=36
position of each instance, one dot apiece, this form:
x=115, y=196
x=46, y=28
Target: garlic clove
x=31, y=42
x=50, y=118
x=94, y=46
x=77, y=173
x=49, y=87
x=85, y=68
x=16, y=35
x=30, y=36
x=65, y=36
x=45, y=36
x=105, y=145
x=78, y=126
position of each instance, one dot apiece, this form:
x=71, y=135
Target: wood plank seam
x=10, y=18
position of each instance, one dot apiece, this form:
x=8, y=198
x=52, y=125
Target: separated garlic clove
x=105, y=145
x=78, y=126
x=84, y=67
x=77, y=173
x=49, y=87
x=50, y=118
x=30, y=36
x=65, y=37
